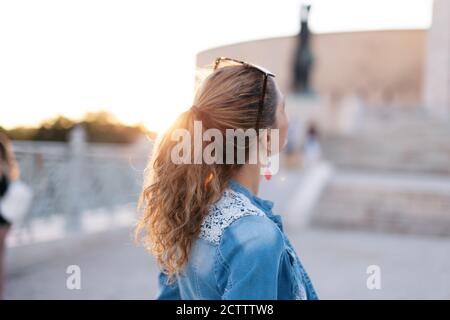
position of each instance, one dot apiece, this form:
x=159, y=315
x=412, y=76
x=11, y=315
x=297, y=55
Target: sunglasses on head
x=224, y=61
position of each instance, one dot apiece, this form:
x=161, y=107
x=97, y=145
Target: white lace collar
x=230, y=207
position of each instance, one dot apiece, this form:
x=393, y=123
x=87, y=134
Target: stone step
x=417, y=204
x=407, y=146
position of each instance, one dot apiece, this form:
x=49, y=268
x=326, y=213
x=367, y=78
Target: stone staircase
x=401, y=203
x=391, y=175
x=399, y=141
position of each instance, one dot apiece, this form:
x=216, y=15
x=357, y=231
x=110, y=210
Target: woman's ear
x=263, y=139
x=272, y=141
x=268, y=141
x=264, y=151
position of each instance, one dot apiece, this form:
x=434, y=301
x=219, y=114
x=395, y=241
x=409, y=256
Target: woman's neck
x=249, y=177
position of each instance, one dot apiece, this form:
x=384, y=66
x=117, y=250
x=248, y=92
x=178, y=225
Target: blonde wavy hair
x=176, y=197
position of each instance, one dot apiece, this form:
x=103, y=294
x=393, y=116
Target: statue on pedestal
x=303, y=58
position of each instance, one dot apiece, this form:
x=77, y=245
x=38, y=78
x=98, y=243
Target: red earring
x=268, y=174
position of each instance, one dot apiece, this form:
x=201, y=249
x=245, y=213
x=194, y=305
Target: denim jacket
x=242, y=253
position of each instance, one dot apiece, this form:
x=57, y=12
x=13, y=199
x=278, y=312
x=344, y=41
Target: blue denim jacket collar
x=265, y=205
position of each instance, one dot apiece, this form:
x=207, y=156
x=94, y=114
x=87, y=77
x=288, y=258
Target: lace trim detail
x=230, y=207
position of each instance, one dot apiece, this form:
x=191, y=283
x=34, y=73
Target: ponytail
x=176, y=198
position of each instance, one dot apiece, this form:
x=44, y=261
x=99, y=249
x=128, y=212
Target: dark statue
x=303, y=57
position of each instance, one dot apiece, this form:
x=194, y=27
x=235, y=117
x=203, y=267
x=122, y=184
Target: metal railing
x=70, y=179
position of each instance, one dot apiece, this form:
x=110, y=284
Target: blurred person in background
x=9, y=172
x=312, y=148
x=212, y=236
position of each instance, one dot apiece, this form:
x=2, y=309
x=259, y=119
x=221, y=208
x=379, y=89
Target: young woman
x=8, y=172
x=212, y=236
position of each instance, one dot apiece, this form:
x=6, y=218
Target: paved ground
x=113, y=268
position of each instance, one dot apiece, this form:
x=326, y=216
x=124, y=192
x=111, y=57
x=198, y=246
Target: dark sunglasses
x=230, y=61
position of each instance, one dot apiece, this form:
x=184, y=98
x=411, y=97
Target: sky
x=136, y=59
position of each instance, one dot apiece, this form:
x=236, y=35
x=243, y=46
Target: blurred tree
x=100, y=126
x=104, y=127
x=56, y=129
x=19, y=133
